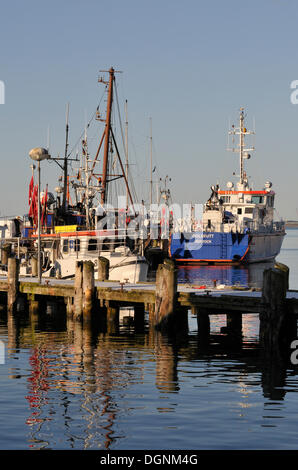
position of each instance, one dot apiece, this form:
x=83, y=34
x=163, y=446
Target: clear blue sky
x=189, y=65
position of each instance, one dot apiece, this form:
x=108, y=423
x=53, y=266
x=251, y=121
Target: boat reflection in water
x=78, y=388
x=250, y=275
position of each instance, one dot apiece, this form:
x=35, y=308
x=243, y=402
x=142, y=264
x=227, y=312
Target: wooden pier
x=85, y=299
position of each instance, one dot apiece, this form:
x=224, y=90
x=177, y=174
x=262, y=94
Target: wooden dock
x=167, y=303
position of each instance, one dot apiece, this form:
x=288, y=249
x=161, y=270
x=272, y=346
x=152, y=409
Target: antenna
x=126, y=150
x=241, y=149
x=65, y=172
x=150, y=162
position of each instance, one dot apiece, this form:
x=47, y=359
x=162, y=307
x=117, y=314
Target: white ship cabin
x=83, y=245
x=240, y=209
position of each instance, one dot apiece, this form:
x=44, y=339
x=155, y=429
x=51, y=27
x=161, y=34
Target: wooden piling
x=33, y=305
x=88, y=289
x=234, y=325
x=13, y=284
x=151, y=313
x=272, y=317
x=203, y=322
x=5, y=253
x=139, y=318
x=78, y=294
x=34, y=266
x=166, y=296
x=69, y=307
x=112, y=319
x=103, y=267
x=182, y=319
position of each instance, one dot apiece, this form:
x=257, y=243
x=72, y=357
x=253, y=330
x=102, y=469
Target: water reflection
x=250, y=275
x=83, y=388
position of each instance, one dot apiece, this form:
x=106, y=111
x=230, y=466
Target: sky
x=189, y=66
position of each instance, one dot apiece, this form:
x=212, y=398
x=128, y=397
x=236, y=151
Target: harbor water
x=68, y=387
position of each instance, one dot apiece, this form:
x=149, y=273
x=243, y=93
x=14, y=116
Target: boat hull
x=224, y=248
x=133, y=268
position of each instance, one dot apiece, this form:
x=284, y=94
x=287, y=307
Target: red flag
x=44, y=208
x=34, y=205
x=31, y=185
x=33, y=201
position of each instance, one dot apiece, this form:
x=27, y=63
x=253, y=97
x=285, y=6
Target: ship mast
x=65, y=169
x=107, y=137
x=151, y=162
x=126, y=150
x=241, y=149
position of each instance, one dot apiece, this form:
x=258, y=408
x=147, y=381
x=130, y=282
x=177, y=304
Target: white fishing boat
x=75, y=231
x=125, y=264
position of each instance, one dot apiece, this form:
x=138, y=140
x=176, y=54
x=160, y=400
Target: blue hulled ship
x=237, y=224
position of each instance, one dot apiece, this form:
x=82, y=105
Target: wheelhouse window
x=249, y=210
x=257, y=199
x=77, y=244
x=65, y=246
x=92, y=244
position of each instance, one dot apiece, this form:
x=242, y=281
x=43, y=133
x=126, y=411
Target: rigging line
x=119, y=115
x=122, y=169
x=88, y=124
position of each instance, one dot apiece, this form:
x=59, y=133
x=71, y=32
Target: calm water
x=63, y=387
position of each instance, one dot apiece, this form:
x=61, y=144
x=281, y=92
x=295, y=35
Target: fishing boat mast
x=107, y=137
x=65, y=165
x=126, y=150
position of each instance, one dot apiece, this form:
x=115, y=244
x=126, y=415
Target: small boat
x=237, y=223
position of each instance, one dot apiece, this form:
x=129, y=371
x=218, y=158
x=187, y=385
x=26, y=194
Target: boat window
x=239, y=210
x=48, y=244
x=65, y=246
x=92, y=244
x=257, y=199
x=249, y=210
x=76, y=245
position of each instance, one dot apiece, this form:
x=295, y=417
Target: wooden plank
x=243, y=304
x=50, y=290
x=134, y=296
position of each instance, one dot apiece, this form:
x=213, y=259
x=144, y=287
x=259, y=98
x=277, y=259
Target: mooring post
x=112, y=318
x=203, y=322
x=5, y=253
x=151, y=314
x=88, y=289
x=234, y=325
x=33, y=305
x=103, y=268
x=166, y=296
x=78, y=295
x=34, y=266
x=69, y=307
x=182, y=318
x=13, y=284
x=273, y=316
x=139, y=317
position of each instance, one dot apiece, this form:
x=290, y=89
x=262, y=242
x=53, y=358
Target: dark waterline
x=65, y=387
